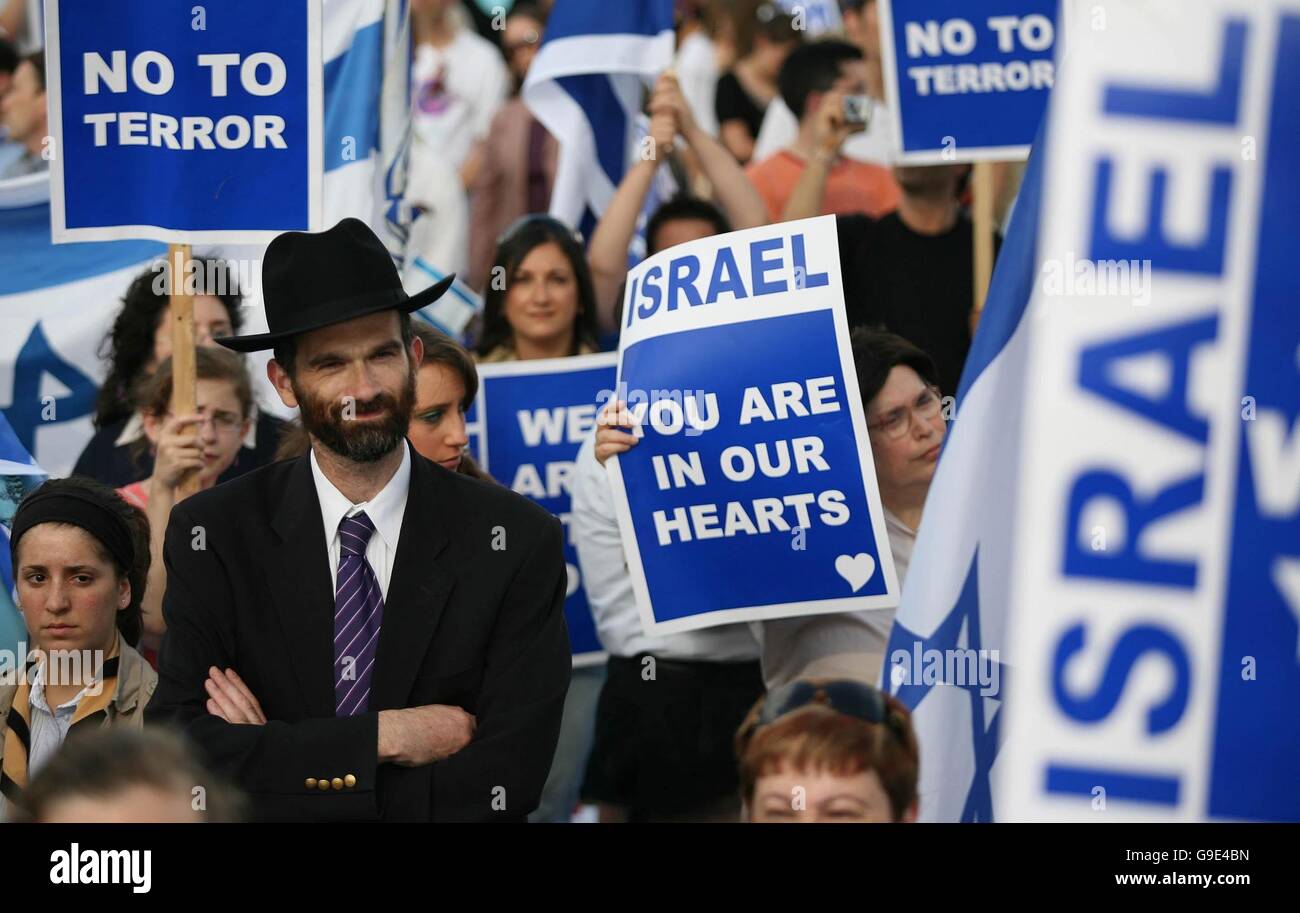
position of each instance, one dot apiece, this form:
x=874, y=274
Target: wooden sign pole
x=982, y=180
x=183, y=367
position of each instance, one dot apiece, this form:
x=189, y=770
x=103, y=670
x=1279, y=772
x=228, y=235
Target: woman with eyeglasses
x=139, y=340
x=828, y=752
x=906, y=425
x=539, y=301
x=205, y=442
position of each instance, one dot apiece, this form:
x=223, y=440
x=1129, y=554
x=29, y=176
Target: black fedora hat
x=311, y=280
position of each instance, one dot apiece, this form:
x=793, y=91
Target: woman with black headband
x=80, y=557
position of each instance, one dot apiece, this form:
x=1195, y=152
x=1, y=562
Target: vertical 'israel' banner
x=967, y=79
x=1156, y=587
x=525, y=429
x=751, y=494
x=186, y=124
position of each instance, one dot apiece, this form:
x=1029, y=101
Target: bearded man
x=360, y=634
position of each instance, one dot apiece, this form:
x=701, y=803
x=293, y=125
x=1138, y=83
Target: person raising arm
x=670, y=116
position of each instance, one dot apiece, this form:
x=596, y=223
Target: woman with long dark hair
x=539, y=301
x=139, y=341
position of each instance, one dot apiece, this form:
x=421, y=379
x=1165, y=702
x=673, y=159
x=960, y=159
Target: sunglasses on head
x=856, y=699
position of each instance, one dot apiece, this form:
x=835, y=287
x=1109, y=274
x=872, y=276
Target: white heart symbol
x=856, y=569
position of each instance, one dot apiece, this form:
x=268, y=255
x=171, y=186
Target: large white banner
x=1156, y=584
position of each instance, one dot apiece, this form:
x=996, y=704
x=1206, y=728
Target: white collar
x=37, y=694
x=385, y=509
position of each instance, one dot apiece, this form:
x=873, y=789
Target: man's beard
x=360, y=442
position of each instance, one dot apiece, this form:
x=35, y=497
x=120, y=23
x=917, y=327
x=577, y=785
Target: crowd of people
x=775, y=721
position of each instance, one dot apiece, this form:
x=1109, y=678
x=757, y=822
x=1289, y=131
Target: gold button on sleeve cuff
x=337, y=783
x=350, y=781
x=323, y=784
x=311, y=782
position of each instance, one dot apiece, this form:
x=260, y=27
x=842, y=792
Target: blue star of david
x=964, y=615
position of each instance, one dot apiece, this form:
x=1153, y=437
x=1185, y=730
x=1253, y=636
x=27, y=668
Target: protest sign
x=184, y=124
x=752, y=492
x=528, y=421
x=967, y=80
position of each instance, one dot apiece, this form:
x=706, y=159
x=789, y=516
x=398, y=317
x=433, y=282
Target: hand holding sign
x=609, y=440
x=749, y=494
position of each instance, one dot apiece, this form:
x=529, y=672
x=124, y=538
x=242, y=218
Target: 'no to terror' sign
x=968, y=79
x=751, y=494
x=184, y=123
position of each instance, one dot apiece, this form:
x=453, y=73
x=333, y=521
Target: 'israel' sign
x=967, y=80
x=525, y=429
x=752, y=493
x=1156, y=593
x=182, y=123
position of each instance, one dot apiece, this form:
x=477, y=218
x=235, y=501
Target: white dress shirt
x=838, y=644
x=593, y=525
x=385, y=511
x=49, y=725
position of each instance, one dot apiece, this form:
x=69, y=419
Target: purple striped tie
x=358, y=610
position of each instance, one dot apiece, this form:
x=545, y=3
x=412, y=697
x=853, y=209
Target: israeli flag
x=586, y=86
x=952, y=617
x=367, y=115
x=451, y=314
x=56, y=304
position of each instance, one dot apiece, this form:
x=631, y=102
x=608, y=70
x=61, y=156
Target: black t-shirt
x=732, y=102
x=918, y=286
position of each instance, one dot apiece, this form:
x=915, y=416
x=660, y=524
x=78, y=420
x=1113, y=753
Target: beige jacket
x=136, y=681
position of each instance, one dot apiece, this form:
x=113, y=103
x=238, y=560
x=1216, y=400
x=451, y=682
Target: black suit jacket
x=474, y=618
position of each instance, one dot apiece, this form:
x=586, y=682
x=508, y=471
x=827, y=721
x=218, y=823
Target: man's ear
x=417, y=352
x=279, y=379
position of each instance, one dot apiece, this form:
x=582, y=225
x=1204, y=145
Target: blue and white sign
x=525, y=429
x=967, y=80
x=184, y=123
x=752, y=494
x=1156, y=592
